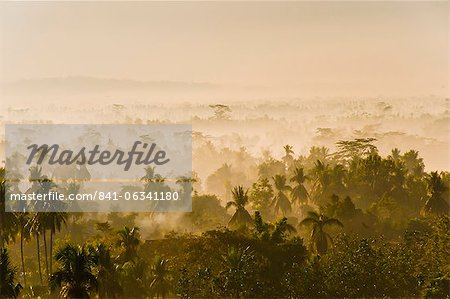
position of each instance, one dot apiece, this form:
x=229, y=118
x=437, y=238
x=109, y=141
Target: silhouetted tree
x=320, y=240
x=74, y=276
x=241, y=217
x=9, y=288
x=436, y=204
x=280, y=201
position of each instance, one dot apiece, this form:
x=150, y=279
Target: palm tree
x=288, y=149
x=24, y=232
x=413, y=163
x=160, y=284
x=436, y=204
x=320, y=240
x=299, y=192
x=54, y=222
x=186, y=184
x=8, y=286
x=7, y=220
x=395, y=155
x=154, y=182
x=288, y=155
x=104, y=227
x=274, y=232
x=42, y=185
x=149, y=175
x=134, y=278
x=35, y=178
x=280, y=201
x=318, y=153
x=36, y=228
x=321, y=177
x=108, y=274
x=48, y=220
x=36, y=223
x=261, y=228
x=280, y=229
x=241, y=217
x=129, y=242
x=73, y=188
x=75, y=275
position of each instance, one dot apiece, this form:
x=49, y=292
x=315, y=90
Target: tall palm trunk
x=21, y=257
x=46, y=255
x=39, y=257
x=51, y=250
x=1, y=231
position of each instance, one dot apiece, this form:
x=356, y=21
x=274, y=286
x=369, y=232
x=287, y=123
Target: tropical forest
x=349, y=223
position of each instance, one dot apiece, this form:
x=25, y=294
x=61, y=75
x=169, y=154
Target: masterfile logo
x=99, y=168
x=94, y=156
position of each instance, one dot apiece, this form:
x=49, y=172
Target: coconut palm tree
x=160, y=282
x=288, y=149
x=73, y=188
x=35, y=178
x=280, y=201
x=54, y=222
x=75, y=276
x=241, y=217
x=395, y=156
x=320, y=240
x=149, y=175
x=299, y=192
x=318, y=153
x=48, y=220
x=321, y=177
x=154, y=182
x=413, y=163
x=280, y=229
x=9, y=288
x=24, y=234
x=36, y=228
x=186, y=184
x=275, y=232
x=42, y=185
x=262, y=229
x=435, y=204
x=107, y=274
x=129, y=241
x=134, y=278
x=103, y=227
x=7, y=220
x=288, y=155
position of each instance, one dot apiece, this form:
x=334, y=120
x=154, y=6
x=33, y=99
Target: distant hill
x=80, y=84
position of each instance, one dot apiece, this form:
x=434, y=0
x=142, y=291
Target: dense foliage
x=329, y=225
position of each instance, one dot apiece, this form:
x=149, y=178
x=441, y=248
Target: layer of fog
x=249, y=130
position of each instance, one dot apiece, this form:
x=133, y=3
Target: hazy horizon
x=287, y=48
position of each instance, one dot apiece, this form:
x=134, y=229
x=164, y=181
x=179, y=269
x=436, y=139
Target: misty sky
x=321, y=48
